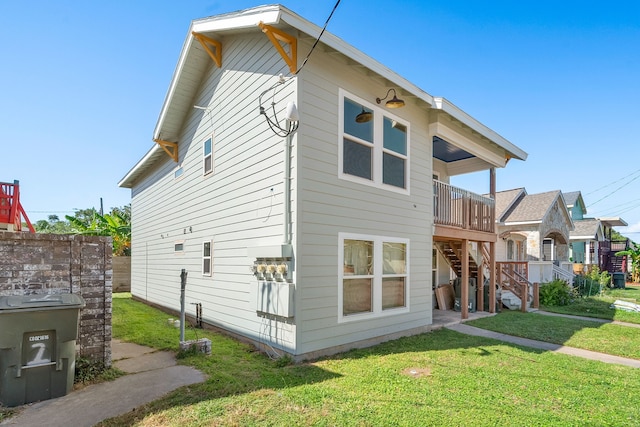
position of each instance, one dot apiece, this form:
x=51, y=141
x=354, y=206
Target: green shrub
x=557, y=292
x=87, y=371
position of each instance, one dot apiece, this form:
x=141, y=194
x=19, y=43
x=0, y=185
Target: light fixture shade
x=364, y=117
x=394, y=102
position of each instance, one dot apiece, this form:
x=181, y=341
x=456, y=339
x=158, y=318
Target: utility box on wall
x=275, y=298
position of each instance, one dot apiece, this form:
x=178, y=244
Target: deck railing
x=11, y=211
x=8, y=206
x=460, y=208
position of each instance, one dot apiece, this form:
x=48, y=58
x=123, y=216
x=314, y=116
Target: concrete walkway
x=152, y=374
x=591, y=319
x=593, y=355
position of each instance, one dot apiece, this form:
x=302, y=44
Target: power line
x=318, y=39
x=614, y=191
x=611, y=183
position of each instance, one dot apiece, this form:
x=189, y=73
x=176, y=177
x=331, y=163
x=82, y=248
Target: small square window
x=178, y=247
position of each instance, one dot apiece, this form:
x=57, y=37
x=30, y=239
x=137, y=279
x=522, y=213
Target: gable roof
x=573, y=197
x=194, y=60
x=533, y=207
x=506, y=200
x=585, y=229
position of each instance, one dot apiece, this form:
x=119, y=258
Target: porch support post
x=464, y=286
x=492, y=246
x=492, y=277
x=480, y=279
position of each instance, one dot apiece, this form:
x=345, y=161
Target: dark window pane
x=395, y=136
x=357, y=159
x=206, y=266
x=361, y=130
x=208, y=164
x=393, y=170
x=206, y=249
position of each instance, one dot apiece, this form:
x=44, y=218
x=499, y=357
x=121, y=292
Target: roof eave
x=445, y=105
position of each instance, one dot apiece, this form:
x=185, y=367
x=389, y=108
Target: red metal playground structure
x=11, y=211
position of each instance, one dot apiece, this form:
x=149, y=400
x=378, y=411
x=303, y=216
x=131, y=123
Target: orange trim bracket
x=171, y=148
x=276, y=36
x=213, y=47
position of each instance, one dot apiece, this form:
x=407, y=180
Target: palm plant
x=634, y=253
x=116, y=224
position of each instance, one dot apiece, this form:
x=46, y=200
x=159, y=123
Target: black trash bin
x=37, y=346
x=472, y=294
x=618, y=280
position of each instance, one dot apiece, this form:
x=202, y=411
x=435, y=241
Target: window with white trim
x=376, y=151
x=206, y=258
x=207, y=156
x=373, y=275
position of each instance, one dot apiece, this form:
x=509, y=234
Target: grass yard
x=439, y=378
x=613, y=339
x=598, y=306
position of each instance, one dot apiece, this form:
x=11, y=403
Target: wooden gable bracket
x=171, y=148
x=276, y=36
x=209, y=45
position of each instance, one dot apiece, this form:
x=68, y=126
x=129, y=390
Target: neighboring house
x=314, y=241
x=591, y=238
x=534, y=230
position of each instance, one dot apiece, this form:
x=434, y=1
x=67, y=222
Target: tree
x=53, y=225
x=634, y=253
x=616, y=236
x=116, y=224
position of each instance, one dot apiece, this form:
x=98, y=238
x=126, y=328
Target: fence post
x=536, y=295
x=523, y=297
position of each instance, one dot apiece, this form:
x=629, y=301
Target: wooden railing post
x=536, y=295
x=523, y=297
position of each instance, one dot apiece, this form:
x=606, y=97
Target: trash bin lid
x=36, y=302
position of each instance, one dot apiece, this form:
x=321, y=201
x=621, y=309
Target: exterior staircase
x=452, y=252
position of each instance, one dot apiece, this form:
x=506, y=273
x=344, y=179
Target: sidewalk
x=557, y=348
x=151, y=375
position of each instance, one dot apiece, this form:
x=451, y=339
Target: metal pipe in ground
x=183, y=284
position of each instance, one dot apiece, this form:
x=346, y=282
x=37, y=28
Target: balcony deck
x=459, y=213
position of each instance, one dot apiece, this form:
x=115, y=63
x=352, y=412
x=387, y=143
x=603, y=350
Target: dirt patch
x=417, y=372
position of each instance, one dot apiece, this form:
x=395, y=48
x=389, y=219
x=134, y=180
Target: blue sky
x=82, y=84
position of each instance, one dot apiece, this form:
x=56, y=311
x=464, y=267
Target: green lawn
x=586, y=334
x=438, y=378
x=598, y=306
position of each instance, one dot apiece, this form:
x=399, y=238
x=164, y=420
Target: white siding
x=328, y=205
x=238, y=205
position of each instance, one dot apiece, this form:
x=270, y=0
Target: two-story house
x=303, y=196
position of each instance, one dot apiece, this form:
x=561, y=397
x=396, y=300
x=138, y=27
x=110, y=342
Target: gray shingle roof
x=505, y=199
x=585, y=228
x=571, y=197
x=533, y=207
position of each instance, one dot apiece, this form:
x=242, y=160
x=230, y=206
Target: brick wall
x=55, y=264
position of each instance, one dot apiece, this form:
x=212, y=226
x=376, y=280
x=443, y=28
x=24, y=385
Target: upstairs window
x=373, y=151
x=207, y=156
